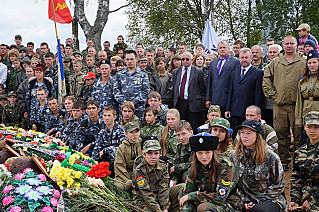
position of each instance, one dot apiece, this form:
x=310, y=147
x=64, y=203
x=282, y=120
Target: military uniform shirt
x=11, y=115
x=76, y=82
x=150, y=186
x=305, y=176
x=55, y=122
x=103, y=94
x=108, y=141
x=37, y=116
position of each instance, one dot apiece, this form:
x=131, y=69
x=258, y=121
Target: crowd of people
x=181, y=131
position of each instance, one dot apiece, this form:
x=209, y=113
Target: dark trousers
x=265, y=207
x=234, y=122
x=193, y=118
x=268, y=116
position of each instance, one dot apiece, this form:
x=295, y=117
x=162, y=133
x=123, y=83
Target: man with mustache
x=257, y=53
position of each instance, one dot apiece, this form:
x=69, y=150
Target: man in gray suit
x=219, y=74
x=189, y=91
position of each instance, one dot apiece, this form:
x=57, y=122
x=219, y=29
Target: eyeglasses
x=214, y=106
x=187, y=59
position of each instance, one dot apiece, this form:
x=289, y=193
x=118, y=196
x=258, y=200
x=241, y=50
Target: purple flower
x=33, y=195
x=32, y=181
x=85, y=162
x=22, y=189
x=45, y=190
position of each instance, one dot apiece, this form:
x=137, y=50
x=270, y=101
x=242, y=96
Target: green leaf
x=18, y=182
x=19, y=199
x=46, y=200
x=30, y=174
x=33, y=205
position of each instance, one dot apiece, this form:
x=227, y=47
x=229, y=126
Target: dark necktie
x=242, y=73
x=183, y=83
x=219, y=65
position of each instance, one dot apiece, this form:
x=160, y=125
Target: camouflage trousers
x=173, y=197
x=193, y=206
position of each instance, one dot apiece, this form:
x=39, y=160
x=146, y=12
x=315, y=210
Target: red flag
x=62, y=12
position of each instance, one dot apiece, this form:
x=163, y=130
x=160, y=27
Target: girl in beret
x=211, y=181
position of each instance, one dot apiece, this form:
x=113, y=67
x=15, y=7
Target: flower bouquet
x=28, y=191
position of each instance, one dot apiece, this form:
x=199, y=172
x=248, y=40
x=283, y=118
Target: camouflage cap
x=12, y=93
x=214, y=108
x=77, y=52
x=3, y=96
x=131, y=126
x=221, y=122
x=151, y=145
x=311, y=118
x=142, y=58
x=67, y=59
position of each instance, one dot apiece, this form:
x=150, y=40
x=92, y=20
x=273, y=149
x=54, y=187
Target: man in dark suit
x=245, y=89
x=219, y=74
x=189, y=90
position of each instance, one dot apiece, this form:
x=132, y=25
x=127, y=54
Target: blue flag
x=210, y=39
x=61, y=79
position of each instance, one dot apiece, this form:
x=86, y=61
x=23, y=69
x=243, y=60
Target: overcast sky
x=30, y=20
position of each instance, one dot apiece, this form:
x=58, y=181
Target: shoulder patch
x=222, y=191
x=300, y=78
x=140, y=180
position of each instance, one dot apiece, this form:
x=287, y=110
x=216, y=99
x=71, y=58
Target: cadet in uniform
x=127, y=112
x=262, y=178
x=308, y=88
x=109, y=138
x=39, y=111
x=120, y=44
x=76, y=80
x=12, y=114
x=211, y=181
x=131, y=84
x=86, y=91
x=89, y=129
x=220, y=128
x=3, y=102
x=150, y=181
x=71, y=130
x=127, y=152
x=55, y=119
x=305, y=173
x=152, y=127
x=103, y=88
x=182, y=160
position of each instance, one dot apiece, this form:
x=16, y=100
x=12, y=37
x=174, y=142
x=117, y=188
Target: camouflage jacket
x=53, y=73
x=135, y=118
x=124, y=159
x=132, y=87
x=103, y=93
x=31, y=94
x=37, y=116
x=152, y=130
x=305, y=171
x=260, y=182
x=150, y=186
x=161, y=117
x=87, y=69
x=119, y=46
x=171, y=145
x=11, y=115
x=71, y=131
x=88, y=133
x=223, y=193
x=85, y=94
x=76, y=82
x=55, y=122
x=108, y=141
x=11, y=79
x=182, y=161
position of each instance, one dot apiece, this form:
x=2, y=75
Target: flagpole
x=56, y=29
